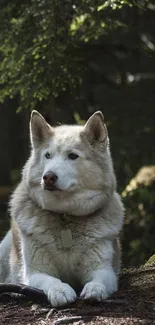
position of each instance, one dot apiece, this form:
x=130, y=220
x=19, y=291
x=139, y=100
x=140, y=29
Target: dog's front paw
x=94, y=291
x=61, y=294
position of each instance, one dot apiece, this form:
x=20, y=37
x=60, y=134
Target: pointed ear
x=40, y=130
x=95, y=129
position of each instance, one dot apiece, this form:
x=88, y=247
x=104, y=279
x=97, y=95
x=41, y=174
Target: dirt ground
x=134, y=303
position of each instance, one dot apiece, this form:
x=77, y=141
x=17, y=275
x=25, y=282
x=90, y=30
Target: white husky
x=66, y=215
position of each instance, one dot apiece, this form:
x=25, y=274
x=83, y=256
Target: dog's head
x=70, y=168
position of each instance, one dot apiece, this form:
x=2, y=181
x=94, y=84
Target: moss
x=151, y=261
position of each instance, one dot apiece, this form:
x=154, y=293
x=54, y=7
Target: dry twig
x=72, y=319
x=22, y=289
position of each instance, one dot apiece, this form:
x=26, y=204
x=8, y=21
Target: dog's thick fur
x=64, y=240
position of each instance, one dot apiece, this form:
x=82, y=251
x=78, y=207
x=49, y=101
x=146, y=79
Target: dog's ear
x=40, y=130
x=95, y=129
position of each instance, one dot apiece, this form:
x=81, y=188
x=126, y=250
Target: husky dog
x=66, y=215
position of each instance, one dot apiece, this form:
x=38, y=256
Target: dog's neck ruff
x=66, y=233
x=66, y=216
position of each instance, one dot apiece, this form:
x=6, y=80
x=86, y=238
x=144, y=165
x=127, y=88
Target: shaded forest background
x=68, y=59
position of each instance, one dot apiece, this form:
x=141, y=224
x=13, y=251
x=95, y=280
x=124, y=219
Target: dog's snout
x=50, y=178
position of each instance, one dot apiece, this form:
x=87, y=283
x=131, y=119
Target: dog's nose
x=50, y=178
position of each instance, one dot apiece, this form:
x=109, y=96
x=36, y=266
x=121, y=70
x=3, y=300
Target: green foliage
x=15, y=176
x=139, y=229
x=151, y=261
x=40, y=43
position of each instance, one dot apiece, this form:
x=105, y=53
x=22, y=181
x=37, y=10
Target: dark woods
x=68, y=60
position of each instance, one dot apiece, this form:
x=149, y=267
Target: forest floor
x=134, y=303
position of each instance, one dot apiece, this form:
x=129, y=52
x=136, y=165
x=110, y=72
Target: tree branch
x=72, y=319
x=22, y=289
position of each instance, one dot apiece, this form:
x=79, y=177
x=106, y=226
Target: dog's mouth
x=51, y=188
x=55, y=188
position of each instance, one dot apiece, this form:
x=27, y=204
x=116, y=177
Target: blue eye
x=47, y=155
x=72, y=156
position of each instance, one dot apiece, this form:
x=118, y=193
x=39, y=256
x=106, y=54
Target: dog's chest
x=63, y=249
x=60, y=244
x=65, y=234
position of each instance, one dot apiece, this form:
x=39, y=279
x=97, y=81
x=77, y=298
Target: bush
x=139, y=230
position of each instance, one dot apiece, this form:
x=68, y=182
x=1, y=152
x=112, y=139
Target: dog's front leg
x=101, y=284
x=58, y=293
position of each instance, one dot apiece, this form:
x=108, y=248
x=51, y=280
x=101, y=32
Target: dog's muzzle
x=49, y=181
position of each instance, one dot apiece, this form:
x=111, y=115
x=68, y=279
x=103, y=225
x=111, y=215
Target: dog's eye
x=72, y=156
x=47, y=155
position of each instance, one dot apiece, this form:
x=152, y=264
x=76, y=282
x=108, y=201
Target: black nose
x=50, y=178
